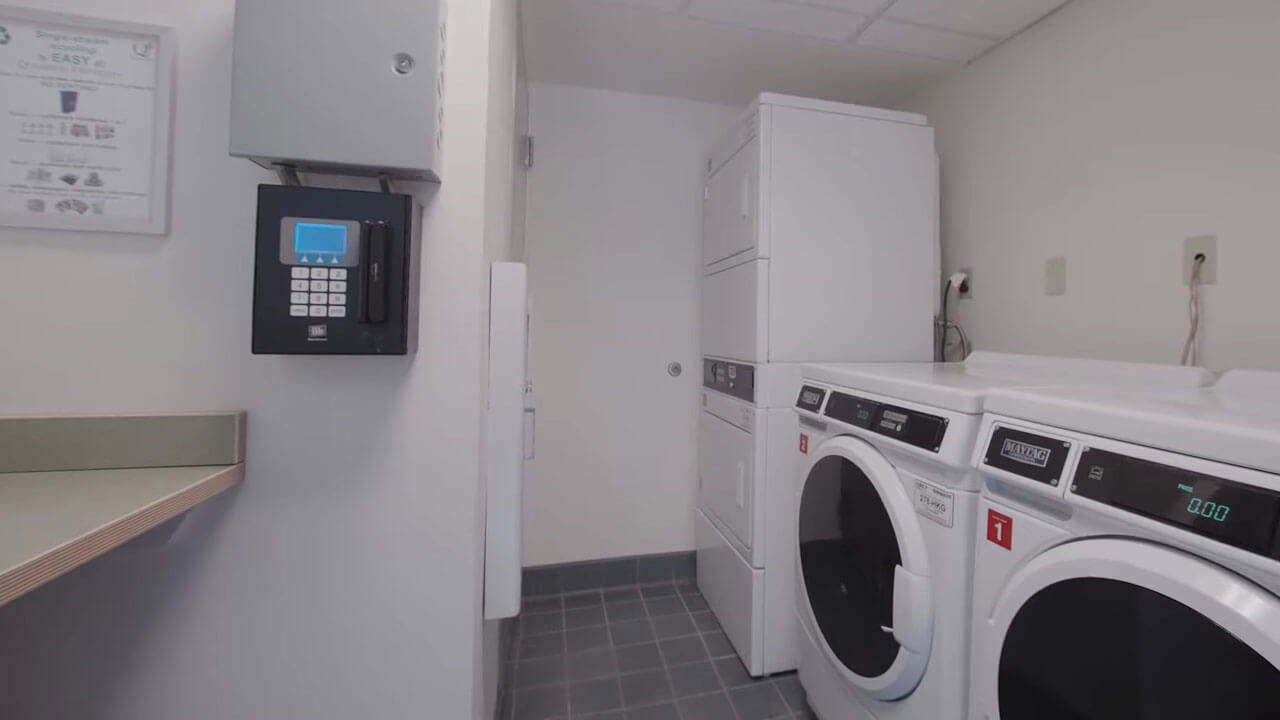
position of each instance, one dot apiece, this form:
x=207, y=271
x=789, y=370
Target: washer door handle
x=912, y=610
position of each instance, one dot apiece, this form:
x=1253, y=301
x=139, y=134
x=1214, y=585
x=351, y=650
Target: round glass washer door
x=1114, y=629
x=864, y=569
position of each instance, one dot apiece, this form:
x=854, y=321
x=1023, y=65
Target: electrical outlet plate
x=1207, y=244
x=967, y=293
x=1055, y=276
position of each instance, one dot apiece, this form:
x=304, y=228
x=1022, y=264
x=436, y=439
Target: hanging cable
x=944, y=324
x=1190, y=349
x=940, y=327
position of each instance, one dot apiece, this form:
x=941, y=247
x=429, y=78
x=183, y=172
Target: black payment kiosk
x=333, y=272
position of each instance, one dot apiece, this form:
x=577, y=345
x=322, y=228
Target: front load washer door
x=1112, y=629
x=864, y=569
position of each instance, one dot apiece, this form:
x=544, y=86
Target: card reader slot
x=374, y=277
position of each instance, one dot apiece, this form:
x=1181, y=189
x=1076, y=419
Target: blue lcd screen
x=319, y=239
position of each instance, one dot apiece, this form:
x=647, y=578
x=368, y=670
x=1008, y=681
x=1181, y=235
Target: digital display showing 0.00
x=1234, y=513
x=1208, y=509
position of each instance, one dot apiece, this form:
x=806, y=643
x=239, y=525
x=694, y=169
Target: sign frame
x=161, y=129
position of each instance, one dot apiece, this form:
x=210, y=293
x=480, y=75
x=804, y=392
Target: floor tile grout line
x=671, y=684
x=683, y=591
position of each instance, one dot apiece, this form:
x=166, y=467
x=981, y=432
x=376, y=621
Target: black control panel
x=1234, y=513
x=811, y=398
x=910, y=426
x=730, y=378
x=1028, y=455
x=333, y=272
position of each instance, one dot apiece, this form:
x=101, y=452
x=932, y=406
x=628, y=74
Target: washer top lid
x=963, y=387
x=1236, y=421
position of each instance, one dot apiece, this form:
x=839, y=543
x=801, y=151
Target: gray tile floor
x=653, y=652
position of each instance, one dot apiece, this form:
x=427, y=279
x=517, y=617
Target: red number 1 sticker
x=1000, y=529
x=804, y=443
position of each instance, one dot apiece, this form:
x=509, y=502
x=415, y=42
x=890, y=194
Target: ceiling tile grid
x=887, y=34
x=808, y=20
x=728, y=51
x=954, y=30
x=995, y=19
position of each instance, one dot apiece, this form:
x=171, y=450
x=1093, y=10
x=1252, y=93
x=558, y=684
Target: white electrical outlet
x=1206, y=245
x=1055, y=276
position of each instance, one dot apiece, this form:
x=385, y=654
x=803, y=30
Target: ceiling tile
x=865, y=7
x=915, y=40
x=669, y=6
x=994, y=18
x=806, y=20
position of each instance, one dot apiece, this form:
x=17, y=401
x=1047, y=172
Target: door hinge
x=528, y=151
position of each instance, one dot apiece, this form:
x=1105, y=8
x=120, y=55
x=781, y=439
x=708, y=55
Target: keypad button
x=298, y=310
x=319, y=273
x=319, y=298
x=298, y=298
x=319, y=286
x=298, y=285
x=317, y=311
x=300, y=273
x=337, y=286
x=337, y=273
x=337, y=311
x=337, y=299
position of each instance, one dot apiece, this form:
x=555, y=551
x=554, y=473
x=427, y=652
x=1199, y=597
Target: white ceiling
x=876, y=52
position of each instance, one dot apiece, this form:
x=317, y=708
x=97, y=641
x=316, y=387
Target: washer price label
x=935, y=503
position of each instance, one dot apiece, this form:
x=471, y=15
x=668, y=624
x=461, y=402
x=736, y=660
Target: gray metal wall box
x=335, y=86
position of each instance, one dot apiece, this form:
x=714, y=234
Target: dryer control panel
x=730, y=378
x=913, y=427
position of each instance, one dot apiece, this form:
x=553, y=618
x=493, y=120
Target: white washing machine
x=1128, y=561
x=886, y=507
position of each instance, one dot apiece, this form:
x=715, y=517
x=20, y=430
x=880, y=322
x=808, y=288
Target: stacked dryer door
x=744, y=520
x=731, y=453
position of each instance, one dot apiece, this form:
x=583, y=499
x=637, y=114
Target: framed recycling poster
x=85, y=121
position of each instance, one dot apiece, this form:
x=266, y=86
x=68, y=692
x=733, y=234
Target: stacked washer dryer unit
x=819, y=244
x=1129, y=560
x=887, y=519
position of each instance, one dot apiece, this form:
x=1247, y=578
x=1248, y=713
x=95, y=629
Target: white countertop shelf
x=53, y=522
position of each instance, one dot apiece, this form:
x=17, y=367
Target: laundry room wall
x=613, y=231
x=1108, y=134
x=342, y=579
x=508, y=123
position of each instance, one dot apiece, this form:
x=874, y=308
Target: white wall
x=614, y=211
x=1110, y=133
x=343, y=578
x=503, y=234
